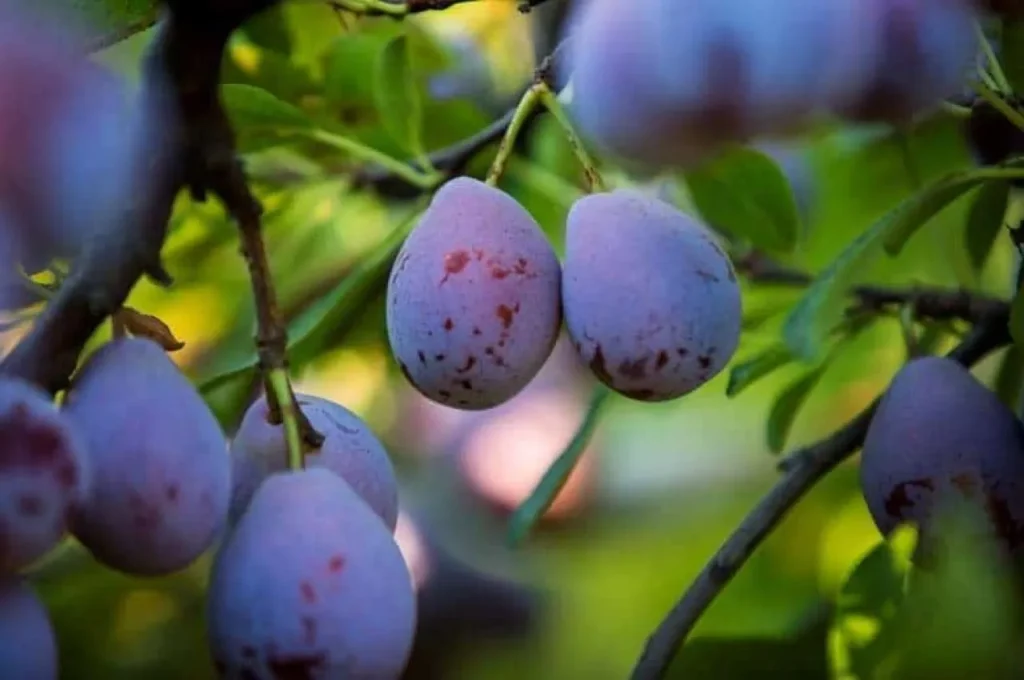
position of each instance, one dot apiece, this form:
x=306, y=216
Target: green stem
x=529, y=102
x=590, y=173
x=1001, y=105
x=400, y=169
x=998, y=75
x=278, y=381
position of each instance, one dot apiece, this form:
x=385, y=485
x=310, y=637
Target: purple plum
x=940, y=436
x=161, y=469
x=651, y=301
x=310, y=584
x=473, y=306
x=349, y=449
x=43, y=474
x=28, y=645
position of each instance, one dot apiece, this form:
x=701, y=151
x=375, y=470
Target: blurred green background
x=663, y=484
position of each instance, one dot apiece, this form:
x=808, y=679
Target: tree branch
x=180, y=91
x=453, y=160
x=802, y=471
x=929, y=302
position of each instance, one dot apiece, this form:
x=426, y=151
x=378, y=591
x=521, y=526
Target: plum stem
x=1000, y=104
x=801, y=471
x=579, y=149
x=994, y=67
x=278, y=384
x=528, y=104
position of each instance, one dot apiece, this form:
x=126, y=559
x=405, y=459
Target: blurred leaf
x=533, y=508
x=269, y=29
x=1010, y=378
x=743, y=657
x=747, y=373
x=350, y=57
x=1017, y=319
x=1012, y=49
x=916, y=212
x=247, y=63
x=743, y=192
x=103, y=22
x=255, y=108
x=787, y=406
x=328, y=317
x=985, y=221
x=398, y=98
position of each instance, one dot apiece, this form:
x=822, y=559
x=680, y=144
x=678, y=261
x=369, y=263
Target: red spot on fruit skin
x=704, y=361
x=30, y=506
x=597, y=365
x=308, y=592
x=297, y=666
x=422, y=356
x=449, y=324
x=454, y=263
x=336, y=564
x=439, y=357
x=661, y=360
x=899, y=499
x=506, y=314
x=173, y=491
x=470, y=363
x=634, y=369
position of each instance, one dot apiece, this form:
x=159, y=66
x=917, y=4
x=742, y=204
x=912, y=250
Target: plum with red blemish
x=350, y=449
x=160, y=463
x=651, y=301
x=43, y=474
x=28, y=644
x=310, y=583
x=922, y=52
x=473, y=304
x=938, y=437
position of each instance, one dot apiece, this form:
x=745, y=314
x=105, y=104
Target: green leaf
x=743, y=192
x=822, y=306
x=1017, y=320
x=247, y=63
x=745, y=374
x=102, y=22
x=397, y=96
x=915, y=212
x=329, y=317
x=787, y=406
x=533, y=508
x=1012, y=48
x=253, y=109
x=985, y=221
x=1010, y=378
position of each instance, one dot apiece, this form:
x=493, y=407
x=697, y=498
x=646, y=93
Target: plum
x=349, y=449
x=651, y=301
x=68, y=140
x=160, y=463
x=28, y=645
x=473, y=304
x=923, y=51
x=939, y=436
x=43, y=474
x=703, y=73
x=310, y=584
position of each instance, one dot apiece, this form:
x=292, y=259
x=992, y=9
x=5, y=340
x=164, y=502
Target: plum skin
x=161, y=468
x=939, y=435
x=28, y=644
x=350, y=450
x=651, y=301
x=310, y=582
x=473, y=303
x=43, y=474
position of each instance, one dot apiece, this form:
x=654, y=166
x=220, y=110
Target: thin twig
x=930, y=302
x=802, y=471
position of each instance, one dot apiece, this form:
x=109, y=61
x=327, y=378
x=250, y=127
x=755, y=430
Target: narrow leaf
x=533, y=508
x=397, y=97
x=253, y=108
x=743, y=192
x=745, y=374
x=330, y=316
x=787, y=407
x=916, y=212
x=985, y=221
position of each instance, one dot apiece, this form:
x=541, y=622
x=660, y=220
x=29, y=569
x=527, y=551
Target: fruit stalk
x=550, y=101
x=801, y=471
x=524, y=111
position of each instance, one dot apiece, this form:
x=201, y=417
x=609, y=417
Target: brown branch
x=453, y=160
x=931, y=302
x=802, y=470
x=179, y=90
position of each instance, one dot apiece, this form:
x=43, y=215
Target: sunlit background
x=660, y=486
